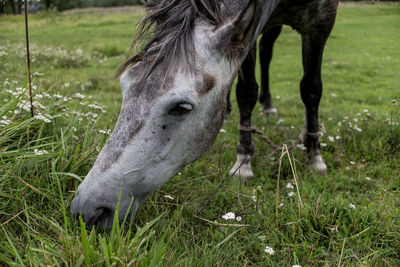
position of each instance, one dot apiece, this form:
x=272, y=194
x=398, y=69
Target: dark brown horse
x=175, y=92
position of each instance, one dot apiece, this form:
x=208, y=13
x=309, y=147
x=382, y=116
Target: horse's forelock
x=167, y=32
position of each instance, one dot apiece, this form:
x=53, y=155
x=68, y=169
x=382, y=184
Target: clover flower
x=38, y=152
x=269, y=250
x=229, y=216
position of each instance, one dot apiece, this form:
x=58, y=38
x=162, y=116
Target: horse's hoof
x=242, y=167
x=317, y=164
x=270, y=111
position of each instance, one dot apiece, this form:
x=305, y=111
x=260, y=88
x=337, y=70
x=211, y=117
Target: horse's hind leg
x=266, y=48
x=246, y=94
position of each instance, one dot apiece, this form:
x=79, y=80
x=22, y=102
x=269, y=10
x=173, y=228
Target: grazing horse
x=175, y=90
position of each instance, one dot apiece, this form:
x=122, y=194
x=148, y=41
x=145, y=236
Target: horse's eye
x=180, y=110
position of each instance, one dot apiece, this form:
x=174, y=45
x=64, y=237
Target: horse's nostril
x=100, y=217
x=92, y=215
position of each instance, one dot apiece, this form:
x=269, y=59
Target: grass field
x=349, y=218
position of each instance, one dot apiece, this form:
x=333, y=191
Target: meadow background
x=351, y=217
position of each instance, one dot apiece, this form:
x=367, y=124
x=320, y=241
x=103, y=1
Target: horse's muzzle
x=92, y=213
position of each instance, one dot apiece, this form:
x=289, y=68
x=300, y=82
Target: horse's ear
x=236, y=29
x=243, y=22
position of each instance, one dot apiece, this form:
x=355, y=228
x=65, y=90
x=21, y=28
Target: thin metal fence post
x=28, y=59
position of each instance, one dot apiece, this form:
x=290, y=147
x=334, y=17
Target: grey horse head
x=173, y=106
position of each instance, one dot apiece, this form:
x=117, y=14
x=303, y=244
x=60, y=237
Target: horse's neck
x=264, y=11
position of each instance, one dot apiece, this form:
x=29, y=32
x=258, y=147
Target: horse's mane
x=167, y=31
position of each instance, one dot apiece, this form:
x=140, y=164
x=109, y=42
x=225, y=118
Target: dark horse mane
x=167, y=31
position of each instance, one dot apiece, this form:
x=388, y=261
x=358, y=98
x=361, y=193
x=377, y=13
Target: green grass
x=79, y=53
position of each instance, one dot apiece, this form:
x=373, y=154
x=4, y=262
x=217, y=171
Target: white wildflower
x=169, y=197
x=301, y=146
x=345, y=118
x=79, y=95
x=296, y=265
x=278, y=97
x=91, y=114
x=66, y=85
x=5, y=122
x=38, y=96
x=38, y=152
x=238, y=218
x=95, y=106
x=42, y=118
x=280, y=205
x=262, y=237
x=333, y=95
x=79, y=51
x=339, y=123
x=290, y=194
x=357, y=128
x=352, y=162
x=24, y=106
x=331, y=138
x=58, y=96
x=368, y=178
x=222, y=131
x=323, y=144
x=105, y=131
x=280, y=121
x=365, y=111
x=38, y=105
x=229, y=216
x=254, y=198
x=352, y=206
x=337, y=137
x=289, y=185
x=269, y=250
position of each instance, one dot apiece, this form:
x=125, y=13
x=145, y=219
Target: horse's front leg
x=311, y=91
x=246, y=94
